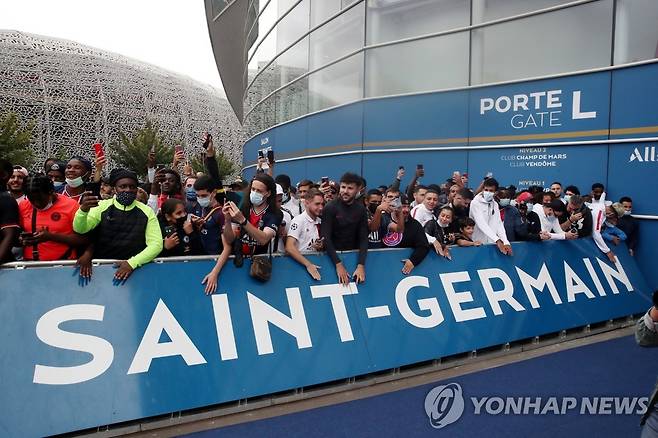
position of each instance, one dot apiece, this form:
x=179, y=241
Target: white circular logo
x=444, y=405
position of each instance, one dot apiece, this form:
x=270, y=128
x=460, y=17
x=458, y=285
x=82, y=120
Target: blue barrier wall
x=81, y=356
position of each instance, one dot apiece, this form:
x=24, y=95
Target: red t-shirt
x=58, y=219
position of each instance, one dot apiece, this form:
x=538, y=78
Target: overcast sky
x=171, y=34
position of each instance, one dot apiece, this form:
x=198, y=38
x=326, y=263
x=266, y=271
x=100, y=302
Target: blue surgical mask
x=567, y=198
x=487, y=196
x=505, y=202
x=190, y=194
x=203, y=202
x=256, y=198
x=58, y=184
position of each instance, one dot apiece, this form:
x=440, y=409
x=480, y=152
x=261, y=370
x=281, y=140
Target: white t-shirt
x=422, y=214
x=305, y=231
x=287, y=219
x=294, y=206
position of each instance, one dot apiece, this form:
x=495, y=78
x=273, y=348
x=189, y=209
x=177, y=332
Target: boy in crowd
x=485, y=212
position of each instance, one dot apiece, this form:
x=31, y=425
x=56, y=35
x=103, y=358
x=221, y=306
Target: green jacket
x=119, y=231
x=647, y=336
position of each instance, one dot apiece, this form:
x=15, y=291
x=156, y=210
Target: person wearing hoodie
x=485, y=212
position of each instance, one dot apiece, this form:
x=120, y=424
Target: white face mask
x=256, y=198
x=505, y=202
x=75, y=183
x=488, y=196
x=627, y=212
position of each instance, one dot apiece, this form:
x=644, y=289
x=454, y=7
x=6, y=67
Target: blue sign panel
x=437, y=119
x=76, y=357
x=634, y=172
x=566, y=108
x=540, y=166
x=634, y=111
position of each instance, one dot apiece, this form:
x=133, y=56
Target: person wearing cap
x=77, y=173
x=16, y=181
x=125, y=229
x=46, y=218
x=550, y=226
x=280, y=240
x=55, y=171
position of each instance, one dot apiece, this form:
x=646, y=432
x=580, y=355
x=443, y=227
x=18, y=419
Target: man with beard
x=460, y=207
x=410, y=235
x=15, y=183
x=345, y=227
x=9, y=217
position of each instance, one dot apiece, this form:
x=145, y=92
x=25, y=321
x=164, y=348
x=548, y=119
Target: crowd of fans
x=71, y=212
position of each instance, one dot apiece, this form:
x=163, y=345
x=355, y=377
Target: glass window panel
x=340, y=36
x=265, y=22
x=533, y=46
x=488, y=10
x=423, y=65
x=291, y=64
x=292, y=101
x=636, y=30
x=321, y=10
x=293, y=25
x=337, y=84
x=393, y=20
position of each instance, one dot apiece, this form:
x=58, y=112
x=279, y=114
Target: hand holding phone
x=98, y=151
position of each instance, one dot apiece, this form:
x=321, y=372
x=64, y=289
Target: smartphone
x=401, y=168
x=419, y=166
x=178, y=148
x=325, y=180
x=159, y=167
x=270, y=155
x=208, y=139
x=396, y=203
x=261, y=154
x=98, y=150
x=489, y=175
x=169, y=230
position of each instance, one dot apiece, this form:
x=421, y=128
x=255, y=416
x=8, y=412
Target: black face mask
x=181, y=221
x=373, y=208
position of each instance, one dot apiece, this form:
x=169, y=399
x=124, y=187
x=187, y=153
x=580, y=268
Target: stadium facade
x=77, y=94
x=532, y=91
